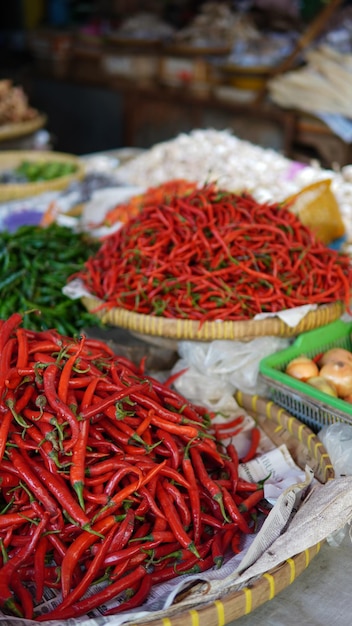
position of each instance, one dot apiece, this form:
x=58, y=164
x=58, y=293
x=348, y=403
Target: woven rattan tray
x=12, y=158
x=304, y=447
x=180, y=329
x=21, y=129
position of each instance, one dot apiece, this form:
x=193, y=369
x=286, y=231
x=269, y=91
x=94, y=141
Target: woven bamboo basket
x=180, y=329
x=11, y=159
x=21, y=129
x=305, y=448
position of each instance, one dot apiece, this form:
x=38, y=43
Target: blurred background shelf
x=101, y=91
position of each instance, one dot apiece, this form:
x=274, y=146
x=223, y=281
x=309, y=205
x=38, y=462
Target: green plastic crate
x=312, y=406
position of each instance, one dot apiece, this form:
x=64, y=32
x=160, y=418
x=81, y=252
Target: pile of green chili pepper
x=35, y=171
x=35, y=263
x=210, y=254
x=106, y=476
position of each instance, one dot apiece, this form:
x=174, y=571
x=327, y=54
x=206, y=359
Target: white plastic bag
x=337, y=439
x=216, y=370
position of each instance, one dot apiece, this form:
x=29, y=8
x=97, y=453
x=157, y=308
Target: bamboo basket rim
x=237, y=604
x=20, y=129
x=12, y=158
x=180, y=329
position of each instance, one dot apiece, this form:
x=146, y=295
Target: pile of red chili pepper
x=210, y=254
x=154, y=195
x=108, y=476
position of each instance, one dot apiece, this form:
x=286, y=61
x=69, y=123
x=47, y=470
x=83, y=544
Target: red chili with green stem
x=205, y=480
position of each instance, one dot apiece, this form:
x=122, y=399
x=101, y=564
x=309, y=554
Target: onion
x=323, y=385
x=339, y=373
x=336, y=354
x=302, y=368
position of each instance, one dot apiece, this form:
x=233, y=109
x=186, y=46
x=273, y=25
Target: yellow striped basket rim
x=180, y=329
x=12, y=158
x=236, y=604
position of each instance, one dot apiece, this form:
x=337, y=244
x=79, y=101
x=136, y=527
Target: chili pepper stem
x=78, y=487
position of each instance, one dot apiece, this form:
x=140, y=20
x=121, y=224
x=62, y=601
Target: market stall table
x=320, y=596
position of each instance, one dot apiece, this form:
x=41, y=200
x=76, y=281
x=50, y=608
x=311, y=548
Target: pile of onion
x=330, y=372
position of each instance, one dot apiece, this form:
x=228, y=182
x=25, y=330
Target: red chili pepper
x=91, y=573
x=75, y=550
x=232, y=466
x=151, y=478
x=65, y=376
x=174, y=520
x=140, y=594
x=97, y=599
x=89, y=412
x=251, y=501
x=39, y=565
x=11, y=566
x=160, y=412
x=171, y=445
x=33, y=482
x=217, y=552
x=214, y=254
x=45, y=448
x=228, y=424
x=5, y=424
x=255, y=439
x=188, y=432
x=18, y=518
x=60, y=407
x=205, y=480
x=5, y=365
x=236, y=543
x=77, y=468
x=24, y=596
x=8, y=327
x=245, y=486
x=116, y=500
x=209, y=520
x=194, y=496
x=152, y=506
x=164, y=470
x=171, y=379
x=234, y=511
x=126, y=554
x=180, y=502
x=126, y=470
x=206, y=446
x=57, y=487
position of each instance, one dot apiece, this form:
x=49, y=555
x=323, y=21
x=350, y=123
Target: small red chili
x=253, y=449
